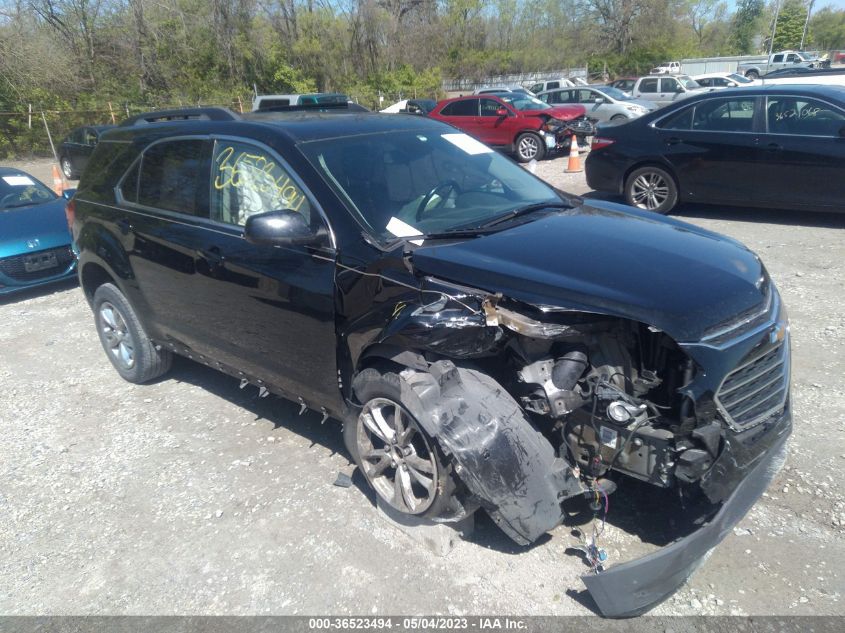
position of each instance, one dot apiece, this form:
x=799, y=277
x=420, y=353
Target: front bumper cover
x=632, y=588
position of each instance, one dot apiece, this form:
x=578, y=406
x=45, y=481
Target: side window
x=799, y=115
x=679, y=121
x=707, y=82
x=90, y=137
x=489, y=107
x=537, y=88
x=551, y=85
x=791, y=58
x=777, y=59
x=648, y=85
x=174, y=177
x=246, y=180
x=129, y=184
x=588, y=96
x=669, y=84
x=467, y=107
x=725, y=115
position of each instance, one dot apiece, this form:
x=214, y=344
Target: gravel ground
x=191, y=496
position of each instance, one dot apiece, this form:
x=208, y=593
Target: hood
x=46, y=223
x=562, y=112
x=613, y=260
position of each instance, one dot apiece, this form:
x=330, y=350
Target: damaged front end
x=597, y=397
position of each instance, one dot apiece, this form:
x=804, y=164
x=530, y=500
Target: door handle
x=124, y=225
x=673, y=140
x=774, y=147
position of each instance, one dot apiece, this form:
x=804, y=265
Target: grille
x=14, y=268
x=756, y=390
x=582, y=126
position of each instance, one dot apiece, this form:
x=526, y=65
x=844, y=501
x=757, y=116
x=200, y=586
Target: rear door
x=649, y=89
x=713, y=148
x=803, y=153
x=462, y=114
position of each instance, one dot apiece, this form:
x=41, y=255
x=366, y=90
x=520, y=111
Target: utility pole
x=774, y=28
x=807, y=23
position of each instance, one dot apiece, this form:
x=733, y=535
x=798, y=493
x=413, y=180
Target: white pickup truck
x=667, y=68
x=666, y=89
x=776, y=61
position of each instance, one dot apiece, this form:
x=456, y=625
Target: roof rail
x=183, y=114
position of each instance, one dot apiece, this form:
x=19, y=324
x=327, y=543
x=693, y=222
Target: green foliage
x=747, y=24
x=790, y=25
x=827, y=29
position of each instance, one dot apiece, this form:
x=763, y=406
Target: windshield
x=521, y=101
x=613, y=93
x=688, y=82
x=406, y=183
x=740, y=79
x=20, y=190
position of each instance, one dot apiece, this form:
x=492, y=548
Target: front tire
x=404, y=466
x=529, y=146
x=651, y=188
x=130, y=350
x=753, y=75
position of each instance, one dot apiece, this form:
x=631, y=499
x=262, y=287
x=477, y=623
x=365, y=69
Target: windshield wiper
x=521, y=211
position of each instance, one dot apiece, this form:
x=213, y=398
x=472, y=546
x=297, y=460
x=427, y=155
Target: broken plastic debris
x=343, y=480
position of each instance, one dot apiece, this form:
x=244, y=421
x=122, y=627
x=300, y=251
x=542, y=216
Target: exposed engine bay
x=613, y=398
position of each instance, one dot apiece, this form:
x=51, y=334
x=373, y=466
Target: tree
x=746, y=25
x=827, y=29
x=702, y=14
x=790, y=25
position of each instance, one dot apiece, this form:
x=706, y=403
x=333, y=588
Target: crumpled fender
x=510, y=467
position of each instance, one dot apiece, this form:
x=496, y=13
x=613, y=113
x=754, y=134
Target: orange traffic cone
x=574, y=165
x=58, y=181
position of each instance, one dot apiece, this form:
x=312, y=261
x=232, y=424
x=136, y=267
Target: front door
x=492, y=128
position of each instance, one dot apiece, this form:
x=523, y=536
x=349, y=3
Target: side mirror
x=599, y=100
x=67, y=194
x=279, y=228
x=502, y=112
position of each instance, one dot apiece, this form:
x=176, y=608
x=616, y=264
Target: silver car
x=603, y=103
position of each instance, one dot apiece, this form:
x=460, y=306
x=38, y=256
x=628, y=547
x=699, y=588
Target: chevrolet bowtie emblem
x=33, y=243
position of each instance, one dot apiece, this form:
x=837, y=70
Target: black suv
x=488, y=342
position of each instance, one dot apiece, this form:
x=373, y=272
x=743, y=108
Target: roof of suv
x=297, y=127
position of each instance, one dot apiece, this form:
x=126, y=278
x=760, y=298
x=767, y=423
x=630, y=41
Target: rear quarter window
x=107, y=164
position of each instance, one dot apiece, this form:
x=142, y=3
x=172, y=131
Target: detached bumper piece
x=631, y=588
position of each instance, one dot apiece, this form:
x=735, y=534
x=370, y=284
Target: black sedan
x=77, y=147
x=773, y=146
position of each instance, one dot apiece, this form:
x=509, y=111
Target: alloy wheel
x=649, y=191
x=396, y=457
x=66, y=169
x=528, y=147
x=117, y=336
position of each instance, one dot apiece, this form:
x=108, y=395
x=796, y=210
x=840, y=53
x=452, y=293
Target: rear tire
x=529, y=146
x=67, y=168
x=752, y=74
x=651, y=188
x=125, y=342
x=618, y=118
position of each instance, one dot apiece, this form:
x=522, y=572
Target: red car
x=523, y=125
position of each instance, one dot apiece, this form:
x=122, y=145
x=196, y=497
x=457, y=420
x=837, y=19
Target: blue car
x=35, y=244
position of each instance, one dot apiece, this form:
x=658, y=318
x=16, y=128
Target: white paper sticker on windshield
x=468, y=144
x=402, y=229
x=18, y=181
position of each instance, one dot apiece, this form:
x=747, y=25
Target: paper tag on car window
x=467, y=143
x=402, y=229
x=18, y=181
x=608, y=436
